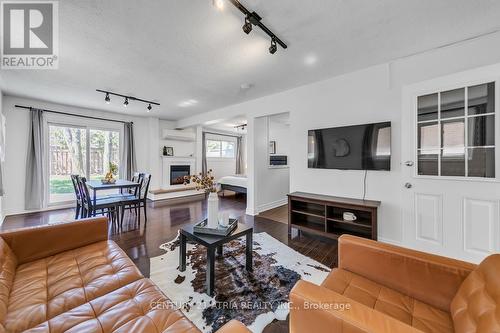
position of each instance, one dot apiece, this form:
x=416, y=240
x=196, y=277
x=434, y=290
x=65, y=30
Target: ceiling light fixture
x=247, y=27
x=273, y=48
x=252, y=18
x=219, y=4
x=127, y=98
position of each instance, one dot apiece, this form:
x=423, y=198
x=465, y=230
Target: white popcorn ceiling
x=174, y=51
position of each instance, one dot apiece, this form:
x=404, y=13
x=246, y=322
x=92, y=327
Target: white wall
x=272, y=184
x=17, y=125
x=181, y=148
x=280, y=133
x=369, y=95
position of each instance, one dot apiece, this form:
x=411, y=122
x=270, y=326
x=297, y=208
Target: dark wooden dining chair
x=109, y=206
x=79, y=206
x=138, y=200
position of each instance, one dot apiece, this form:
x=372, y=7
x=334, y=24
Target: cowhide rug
x=255, y=299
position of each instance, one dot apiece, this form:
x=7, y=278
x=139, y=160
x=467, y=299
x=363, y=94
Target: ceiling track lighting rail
x=127, y=98
x=255, y=19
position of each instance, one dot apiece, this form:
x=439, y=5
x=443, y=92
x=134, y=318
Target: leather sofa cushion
x=45, y=288
x=476, y=306
x=421, y=316
x=137, y=307
x=8, y=264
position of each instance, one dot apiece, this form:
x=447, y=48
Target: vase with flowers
x=206, y=182
x=110, y=175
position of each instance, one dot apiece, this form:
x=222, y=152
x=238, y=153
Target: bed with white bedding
x=236, y=183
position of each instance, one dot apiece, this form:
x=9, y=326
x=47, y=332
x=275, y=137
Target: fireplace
x=177, y=173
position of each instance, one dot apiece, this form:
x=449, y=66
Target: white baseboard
x=271, y=205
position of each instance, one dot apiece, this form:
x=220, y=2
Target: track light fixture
x=273, y=48
x=127, y=98
x=247, y=27
x=251, y=19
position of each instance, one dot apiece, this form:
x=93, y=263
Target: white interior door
x=451, y=165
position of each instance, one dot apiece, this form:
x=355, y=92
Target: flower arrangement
x=112, y=171
x=203, y=182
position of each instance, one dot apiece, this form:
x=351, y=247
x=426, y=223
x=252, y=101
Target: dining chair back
x=135, y=179
x=76, y=188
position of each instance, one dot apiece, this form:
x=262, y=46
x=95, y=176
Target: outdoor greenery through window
x=220, y=148
x=79, y=150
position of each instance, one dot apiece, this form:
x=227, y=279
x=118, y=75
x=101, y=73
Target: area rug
x=255, y=299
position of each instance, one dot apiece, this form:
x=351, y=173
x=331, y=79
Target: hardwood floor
x=278, y=214
x=141, y=242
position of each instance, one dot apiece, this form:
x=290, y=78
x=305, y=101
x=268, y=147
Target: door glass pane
x=104, y=149
x=67, y=156
x=428, y=138
x=428, y=164
x=482, y=131
x=428, y=107
x=482, y=98
x=453, y=137
x=453, y=164
x=453, y=103
x=481, y=162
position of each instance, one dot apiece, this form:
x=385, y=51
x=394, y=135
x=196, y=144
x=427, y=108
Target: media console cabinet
x=323, y=215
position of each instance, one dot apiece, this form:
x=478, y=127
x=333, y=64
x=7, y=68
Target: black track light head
x=107, y=99
x=149, y=107
x=125, y=104
x=273, y=48
x=247, y=27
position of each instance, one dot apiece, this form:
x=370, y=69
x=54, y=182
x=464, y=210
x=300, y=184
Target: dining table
x=121, y=184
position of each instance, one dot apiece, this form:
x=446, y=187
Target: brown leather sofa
x=384, y=288
x=69, y=277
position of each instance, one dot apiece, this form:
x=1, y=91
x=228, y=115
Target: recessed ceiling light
x=310, y=60
x=188, y=103
x=246, y=86
x=219, y=4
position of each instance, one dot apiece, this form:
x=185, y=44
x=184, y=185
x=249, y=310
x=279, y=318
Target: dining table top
x=120, y=183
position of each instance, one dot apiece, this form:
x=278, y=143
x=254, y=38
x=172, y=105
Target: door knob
x=408, y=185
x=409, y=163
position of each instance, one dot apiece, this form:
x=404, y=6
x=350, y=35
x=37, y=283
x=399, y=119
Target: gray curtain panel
x=128, y=158
x=204, y=153
x=34, y=187
x=239, y=156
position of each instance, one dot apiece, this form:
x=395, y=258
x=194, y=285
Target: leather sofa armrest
x=317, y=309
x=29, y=244
x=429, y=278
x=233, y=326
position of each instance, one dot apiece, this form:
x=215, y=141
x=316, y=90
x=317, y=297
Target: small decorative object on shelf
x=109, y=178
x=168, y=151
x=207, y=184
x=219, y=230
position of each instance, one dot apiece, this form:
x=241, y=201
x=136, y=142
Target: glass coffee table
x=214, y=244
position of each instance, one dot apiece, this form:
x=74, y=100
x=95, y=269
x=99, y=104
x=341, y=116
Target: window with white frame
x=456, y=132
x=220, y=149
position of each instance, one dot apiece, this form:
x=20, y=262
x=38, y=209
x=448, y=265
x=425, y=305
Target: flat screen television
x=359, y=147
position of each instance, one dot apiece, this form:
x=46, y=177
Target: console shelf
x=323, y=215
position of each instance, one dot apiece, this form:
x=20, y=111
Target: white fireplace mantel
x=168, y=161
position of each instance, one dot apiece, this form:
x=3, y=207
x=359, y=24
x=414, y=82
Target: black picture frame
x=169, y=151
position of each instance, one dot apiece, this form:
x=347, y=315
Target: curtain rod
x=72, y=114
x=222, y=134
